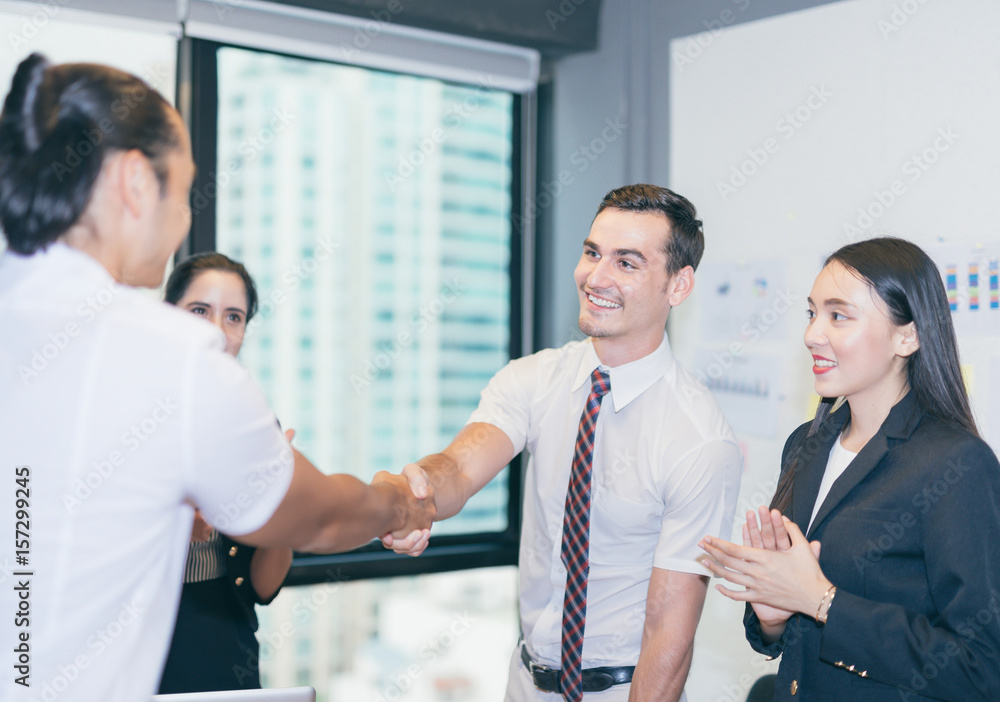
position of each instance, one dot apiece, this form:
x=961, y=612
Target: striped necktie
x=576, y=542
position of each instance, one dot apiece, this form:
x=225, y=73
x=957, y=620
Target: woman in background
x=903, y=598
x=214, y=646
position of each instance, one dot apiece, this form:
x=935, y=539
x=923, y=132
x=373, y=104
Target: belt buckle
x=539, y=668
x=544, y=677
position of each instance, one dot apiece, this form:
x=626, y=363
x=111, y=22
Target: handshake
x=440, y=484
x=414, y=505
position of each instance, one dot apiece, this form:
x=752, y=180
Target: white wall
x=861, y=118
x=882, y=82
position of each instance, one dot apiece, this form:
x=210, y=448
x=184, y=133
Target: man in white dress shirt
x=665, y=470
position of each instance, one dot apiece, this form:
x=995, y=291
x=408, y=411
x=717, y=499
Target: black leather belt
x=594, y=679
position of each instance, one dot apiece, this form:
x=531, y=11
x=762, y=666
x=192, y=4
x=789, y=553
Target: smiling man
x=631, y=461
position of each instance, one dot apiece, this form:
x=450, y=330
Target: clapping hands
x=778, y=568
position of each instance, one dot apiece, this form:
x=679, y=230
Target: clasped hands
x=416, y=500
x=776, y=565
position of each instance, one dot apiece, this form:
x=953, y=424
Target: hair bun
x=58, y=122
x=21, y=106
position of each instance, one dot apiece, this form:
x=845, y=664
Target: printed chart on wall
x=971, y=276
x=747, y=389
x=743, y=302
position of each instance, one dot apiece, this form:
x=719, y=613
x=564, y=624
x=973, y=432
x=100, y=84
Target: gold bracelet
x=821, y=614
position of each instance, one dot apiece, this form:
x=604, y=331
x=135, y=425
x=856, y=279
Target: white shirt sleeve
x=238, y=462
x=506, y=401
x=700, y=500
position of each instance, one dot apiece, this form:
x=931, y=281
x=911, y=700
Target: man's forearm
x=354, y=513
x=476, y=455
x=448, y=479
x=661, y=672
x=673, y=608
x=448, y=486
x=331, y=513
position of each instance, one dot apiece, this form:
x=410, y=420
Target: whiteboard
x=798, y=134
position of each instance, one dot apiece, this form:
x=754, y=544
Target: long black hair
x=58, y=124
x=908, y=283
x=188, y=269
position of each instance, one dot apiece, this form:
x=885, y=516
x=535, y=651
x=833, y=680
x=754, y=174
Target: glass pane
x=373, y=210
x=429, y=638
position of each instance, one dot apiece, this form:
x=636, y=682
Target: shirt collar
x=59, y=253
x=629, y=380
x=57, y=266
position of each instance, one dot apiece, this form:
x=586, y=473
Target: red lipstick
x=820, y=370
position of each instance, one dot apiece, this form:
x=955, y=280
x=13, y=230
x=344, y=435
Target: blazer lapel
x=812, y=459
x=862, y=465
x=902, y=420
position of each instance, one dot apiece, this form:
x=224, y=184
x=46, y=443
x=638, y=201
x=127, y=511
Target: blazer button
x=795, y=686
x=232, y=550
x=239, y=581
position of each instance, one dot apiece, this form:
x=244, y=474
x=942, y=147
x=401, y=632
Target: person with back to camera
x=214, y=646
x=122, y=415
x=897, y=595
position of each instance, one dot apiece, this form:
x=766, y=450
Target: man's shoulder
x=162, y=325
x=69, y=286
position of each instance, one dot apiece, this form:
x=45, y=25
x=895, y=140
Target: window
x=380, y=323
x=381, y=244
x=446, y=636
x=373, y=210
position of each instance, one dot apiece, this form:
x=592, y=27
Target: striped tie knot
x=600, y=382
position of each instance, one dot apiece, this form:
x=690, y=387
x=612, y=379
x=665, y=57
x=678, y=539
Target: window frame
x=197, y=91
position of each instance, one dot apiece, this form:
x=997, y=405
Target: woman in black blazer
x=876, y=574
x=214, y=646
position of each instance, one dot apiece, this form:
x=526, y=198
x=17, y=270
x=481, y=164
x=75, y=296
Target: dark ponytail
x=58, y=125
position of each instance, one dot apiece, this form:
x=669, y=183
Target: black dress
x=214, y=646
